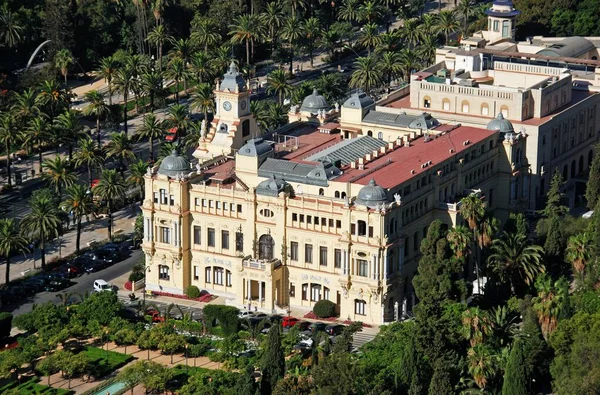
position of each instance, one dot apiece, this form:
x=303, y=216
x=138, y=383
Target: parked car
x=69, y=271
x=288, y=322
x=94, y=266
x=57, y=285
x=334, y=330
x=107, y=256
x=260, y=315
x=245, y=314
x=102, y=286
x=36, y=284
x=317, y=327
x=155, y=314
x=16, y=292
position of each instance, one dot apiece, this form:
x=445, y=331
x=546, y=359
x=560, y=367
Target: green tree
x=476, y=325
x=472, y=209
x=447, y=24
x=8, y=136
x=390, y=66
x=367, y=74
x=79, y=203
x=111, y=188
x=52, y=98
x=203, y=100
x=369, y=37
x=592, y=191
x=101, y=307
x=515, y=378
x=97, y=108
x=152, y=128
x=11, y=241
x=548, y=303
x=247, y=29
x=272, y=363
x=554, y=245
x=42, y=222
x=200, y=67
x=131, y=375
x=120, y=147
x=172, y=344
x=460, y=239
x=277, y=83
x=137, y=172
x=205, y=33
x=312, y=34
x=272, y=17
x=58, y=174
x=107, y=69
x=25, y=107
x=441, y=383
x=151, y=85
x=36, y=133
x=176, y=71
x=11, y=31
x=63, y=59
x=48, y=366
x=580, y=249
x=70, y=130
x=89, y=155
x=158, y=37
x=292, y=31
x=123, y=82
x=554, y=208
x=336, y=374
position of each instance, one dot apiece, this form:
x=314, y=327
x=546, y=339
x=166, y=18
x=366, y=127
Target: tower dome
x=501, y=125
x=174, y=165
x=314, y=103
x=233, y=79
x=502, y=9
x=371, y=195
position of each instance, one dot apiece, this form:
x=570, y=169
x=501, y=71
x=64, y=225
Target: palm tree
x=367, y=74
x=312, y=33
x=272, y=17
x=123, y=81
x=194, y=134
x=112, y=189
x=137, y=171
x=472, y=209
x=515, y=261
x=247, y=29
x=26, y=106
x=204, y=101
x=277, y=83
x=428, y=25
x=90, y=155
x=205, y=33
x=408, y=62
x=177, y=72
x=178, y=117
x=349, y=11
x=389, y=42
x=11, y=241
x=138, y=64
x=292, y=31
x=151, y=85
x=411, y=32
x=548, y=304
x=157, y=37
x=221, y=58
x=390, y=66
x=107, y=70
x=78, y=203
x=53, y=98
x=63, y=59
x=464, y=7
x=304, y=89
x=165, y=150
x=58, y=174
x=579, y=252
x=8, y=136
x=42, y=222
x=504, y=325
x=295, y=5
x=331, y=86
x=200, y=66
x=120, y=148
x=152, y=128
x=98, y=108
x=276, y=115
x=481, y=364
x=258, y=109
x=70, y=129
x=369, y=36
x=370, y=11
x=182, y=49
x=331, y=40
x=476, y=325
x=460, y=239
x=10, y=29
x=36, y=133
x=447, y=24
x=427, y=49
x=487, y=229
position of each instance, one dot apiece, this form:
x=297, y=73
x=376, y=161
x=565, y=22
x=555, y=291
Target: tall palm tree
x=472, y=209
x=247, y=30
x=331, y=39
x=504, y=325
x=151, y=85
x=411, y=32
x=276, y=115
x=53, y=98
x=579, y=252
x=107, y=69
x=312, y=33
x=178, y=116
x=25, y=106
x=464, y=7
x=389, y=42
x=205, y=34
x=152, y=128
x=90, y=155
x=349, y=11
x=58, y=174
x=97, y=108
x=447, y=24
x=42, y=222
x=137, y=171
x=277, y=83
x=304, y=89
x=272, y=17
x=547, y=304
x=203, y=100
x=515, y=261
x=295, y=5
x=476, y=325
x=70, y=129
x=36, y=133
x=487, y=229
x=369, y=36
x=11, y=241
x=390, y=67
x=120, y=148
x=481, y=364
x=221, y=58
x=63, y=59
x=111, y=188
x=408, y=62
x=428, y=25
x=123, y=81
x=182, y=49
x=200, y=66
x=292, y=31
x=331, y=86
x=427, y=49
x=139, y=64
x=460, y=239
x=367, y=74
x=10, y=29
x=79, y=203
x=176, y=71
x=369, y=11
x=194, y=133
x=8, y=136
x=157, y=37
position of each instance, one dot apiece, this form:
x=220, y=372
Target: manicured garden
x=105, y=361
x=31, y=386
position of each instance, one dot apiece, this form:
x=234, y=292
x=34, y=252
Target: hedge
x=324, y=309
x=225, y=316
x=192, y=292
x=5, y=324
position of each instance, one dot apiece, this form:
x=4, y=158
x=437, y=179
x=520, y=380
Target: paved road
x=81, y=285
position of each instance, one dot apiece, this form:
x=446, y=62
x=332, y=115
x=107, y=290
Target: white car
x=245, y=314
x=101, y=286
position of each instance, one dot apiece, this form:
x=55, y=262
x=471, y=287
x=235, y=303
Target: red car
x=172, y=135
x=156, y=317
x=288, y=322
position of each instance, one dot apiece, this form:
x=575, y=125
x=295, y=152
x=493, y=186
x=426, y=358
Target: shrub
x=225, y=316
x=5, y=324
x=192, y=292
x=324, y=309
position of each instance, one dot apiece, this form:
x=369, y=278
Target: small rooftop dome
x=502, y=9
x=500, y=124
x=233, y=79
x=314, y=103
x=371, y=195
x=359, y=99
x=272, y=186
x=174, y=165
x=256, y=147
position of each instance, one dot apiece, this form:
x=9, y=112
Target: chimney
x=353, y=164
x=367, y=158
x=383, y=150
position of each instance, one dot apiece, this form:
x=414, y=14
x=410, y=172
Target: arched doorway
x=265, y=247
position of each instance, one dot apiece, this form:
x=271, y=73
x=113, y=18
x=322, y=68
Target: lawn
x=106, y=361
x=32, y=387
x=181, y=374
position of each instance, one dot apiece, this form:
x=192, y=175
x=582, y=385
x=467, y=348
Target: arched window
x=321, y=192
x=464, y=106
x=370, y=133
x=380, y=136
x=336, y=194
x=427, y=102
x=445, y=104
x=485, y=109
x=343, y=195
x=246, y=128
x=265, y=247
x=504, y=111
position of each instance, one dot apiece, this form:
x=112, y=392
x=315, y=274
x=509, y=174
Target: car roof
x=100, y=282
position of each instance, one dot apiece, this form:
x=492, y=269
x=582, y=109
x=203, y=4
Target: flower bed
x=204, y=299
x=312, y=316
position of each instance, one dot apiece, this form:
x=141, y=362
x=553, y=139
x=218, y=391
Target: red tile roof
x=310, y=141
x=406, y=159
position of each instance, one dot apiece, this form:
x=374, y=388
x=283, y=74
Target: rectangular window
x=316, y=220
x=228, y=278
x=239, y=208
x=196, y=275
x=370, y=231
x=323, y=256
x=163, y=272
x=225, y=206
x=331, y=223
x=196, y=202
x=239, y=241
x=232, y=207
x=301, y=218
x=315, y=292
x=308, y=250
x=338, y=224
x=337, y=258
x=353, y=229
x=218, y=205
x=211, y=237
x=211, y=204
x=218, y=276
x=292, y=290
x=309, y=219
x=163, y=196
x=155, y=194
x=207, y=275
x=294, y=251
x=204, y=203
x=165, y=235
x=304, y=291
x=197, y=234
x=416, y=241
x=171, y=200
x=360, y=307
x=225, y=239
x=363, y=268
x=294, y=217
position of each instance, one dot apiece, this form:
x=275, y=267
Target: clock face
x=227, y=106
x=243, y=104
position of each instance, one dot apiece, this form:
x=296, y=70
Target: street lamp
x=186, y=357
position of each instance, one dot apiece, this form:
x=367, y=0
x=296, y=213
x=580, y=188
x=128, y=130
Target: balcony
x=449, y=206
x=261, y=264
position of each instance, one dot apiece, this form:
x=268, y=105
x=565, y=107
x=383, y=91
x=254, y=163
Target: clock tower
x=233, y=124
